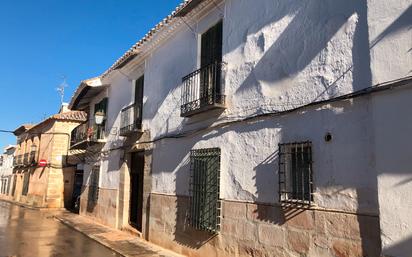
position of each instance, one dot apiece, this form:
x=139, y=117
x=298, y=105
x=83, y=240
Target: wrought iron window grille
x=295, y=173
x=205, y=205
x=93, y=195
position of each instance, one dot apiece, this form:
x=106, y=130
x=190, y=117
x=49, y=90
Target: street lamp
x=33, y=148
x=99, y=118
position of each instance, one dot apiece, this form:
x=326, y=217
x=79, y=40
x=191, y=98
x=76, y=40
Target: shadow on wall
x=91, y=202
x=266, y=212
x=402, y=22
x=184, y=233
x=315, y=23
x=331, y=158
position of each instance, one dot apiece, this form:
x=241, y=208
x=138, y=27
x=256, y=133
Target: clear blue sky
x=42, y=41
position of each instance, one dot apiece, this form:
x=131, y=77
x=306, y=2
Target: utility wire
x=6, y=131
x=407, y=81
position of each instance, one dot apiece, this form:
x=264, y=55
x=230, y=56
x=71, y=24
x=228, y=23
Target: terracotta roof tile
x=71, y=116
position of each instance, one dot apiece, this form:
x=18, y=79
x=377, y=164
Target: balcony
x=25, y=160
x=18, y=160
x=131, y=120
x=84, y=135
x=202, y=90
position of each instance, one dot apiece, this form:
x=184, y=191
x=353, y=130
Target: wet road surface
x=31, y=233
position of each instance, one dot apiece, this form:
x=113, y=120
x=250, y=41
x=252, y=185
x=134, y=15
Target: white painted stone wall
x=6, y=170
x=393, y=126
x=390, y=35
x=281, y=55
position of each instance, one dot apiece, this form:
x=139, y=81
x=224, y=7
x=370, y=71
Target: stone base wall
x=104, y=210
x=264, y=230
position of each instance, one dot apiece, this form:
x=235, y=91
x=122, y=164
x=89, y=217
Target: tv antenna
x=60, y=89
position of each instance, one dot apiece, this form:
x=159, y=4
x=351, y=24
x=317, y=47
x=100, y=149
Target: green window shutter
x=101, y=106
x=205, y=199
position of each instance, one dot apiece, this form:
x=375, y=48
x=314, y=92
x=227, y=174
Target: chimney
x=64, y=108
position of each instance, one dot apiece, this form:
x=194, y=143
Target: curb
x=70, y=225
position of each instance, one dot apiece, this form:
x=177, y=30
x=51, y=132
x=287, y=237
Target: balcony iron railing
x=26, y=159
x=131, y=120
x=33, y=155
x=202, y=90
x=79, y=134
x=18, y=160
x=96, y=133
x=84, y=133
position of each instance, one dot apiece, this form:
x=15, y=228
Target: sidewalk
x=118, y=241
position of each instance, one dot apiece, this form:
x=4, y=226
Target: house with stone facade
x=257, y=128
x=6, y=169
x=43, y=175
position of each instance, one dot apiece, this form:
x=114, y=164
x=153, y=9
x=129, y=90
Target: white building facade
x=6, y=169
x=259, y=128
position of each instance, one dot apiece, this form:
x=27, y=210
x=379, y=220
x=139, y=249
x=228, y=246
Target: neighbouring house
x=42, y=175
x=256, y=128
x=6, y=169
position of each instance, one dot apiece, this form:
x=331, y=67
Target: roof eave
x=188, y=8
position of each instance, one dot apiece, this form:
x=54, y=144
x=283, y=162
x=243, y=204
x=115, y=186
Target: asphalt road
x=32, y=233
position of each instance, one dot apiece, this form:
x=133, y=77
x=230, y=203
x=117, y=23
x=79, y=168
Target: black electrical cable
x=407, y=81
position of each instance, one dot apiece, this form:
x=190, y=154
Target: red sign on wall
x=42, y=163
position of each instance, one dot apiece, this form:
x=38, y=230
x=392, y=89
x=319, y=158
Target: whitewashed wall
x=279, y=55
x=393, y=126
x=390, y=33
x=390, y=37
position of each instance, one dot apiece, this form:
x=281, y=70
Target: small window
x=204, y=200
x=295, y=173
x=94, y=185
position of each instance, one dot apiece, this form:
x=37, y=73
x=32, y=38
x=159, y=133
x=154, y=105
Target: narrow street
x=25, y=232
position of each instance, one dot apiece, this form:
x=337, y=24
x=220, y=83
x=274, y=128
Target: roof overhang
x=125, y=61
x=20, y=130
x=85, y=93
x=188, y=8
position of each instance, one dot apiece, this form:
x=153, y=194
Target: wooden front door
x=136, y=190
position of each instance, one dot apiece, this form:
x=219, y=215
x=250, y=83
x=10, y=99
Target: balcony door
x=210, y=62
x=138, y=100
x=136, y=190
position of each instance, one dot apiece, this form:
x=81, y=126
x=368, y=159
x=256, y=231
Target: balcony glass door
x=211, y=55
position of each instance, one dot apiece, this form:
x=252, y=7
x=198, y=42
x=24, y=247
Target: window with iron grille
x=93, y=195
x=26, y=180
x=205, y=200
x=295, y=173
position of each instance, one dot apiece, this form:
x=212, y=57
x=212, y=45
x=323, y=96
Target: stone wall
x=104, y=210
x=124, y=186
x=250, y=229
